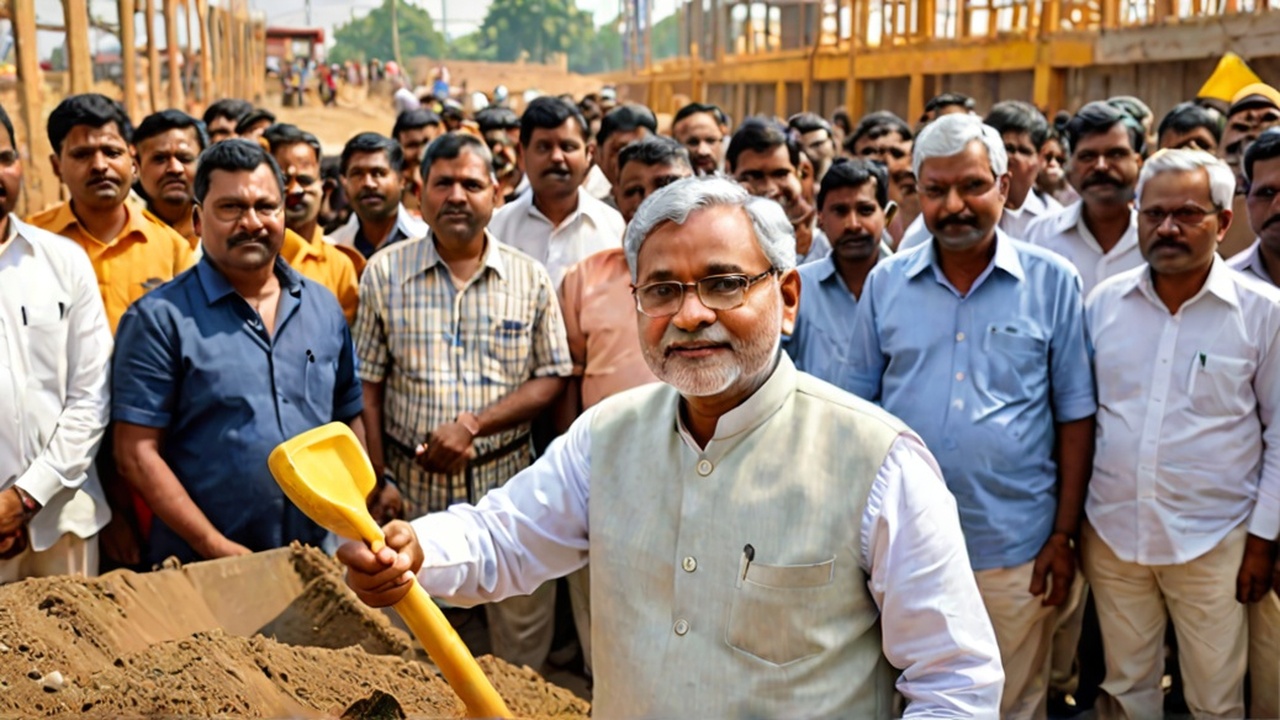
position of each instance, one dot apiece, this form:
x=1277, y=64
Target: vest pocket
x=778, y=611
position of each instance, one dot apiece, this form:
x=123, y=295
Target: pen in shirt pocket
x=1203, y=359
x=748, y=554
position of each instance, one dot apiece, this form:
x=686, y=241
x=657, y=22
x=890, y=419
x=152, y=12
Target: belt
x=502, y=451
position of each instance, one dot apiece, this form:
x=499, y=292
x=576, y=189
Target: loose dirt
x=150, y=644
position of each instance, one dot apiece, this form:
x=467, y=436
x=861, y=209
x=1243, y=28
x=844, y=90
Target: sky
x=463, y=16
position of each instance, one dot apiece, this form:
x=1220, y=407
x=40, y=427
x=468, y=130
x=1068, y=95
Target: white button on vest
x=689, y=564
x=682, y=627
x=704, y=467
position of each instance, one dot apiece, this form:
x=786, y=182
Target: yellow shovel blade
x=327, y=475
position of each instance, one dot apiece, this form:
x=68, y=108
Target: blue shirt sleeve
x=866, y=359
x=145, y=371
x=348, y=396
x=1071, y=356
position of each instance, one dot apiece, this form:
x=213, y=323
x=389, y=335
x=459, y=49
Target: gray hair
x=951, y=134
x=1222, y=180
x=675, y=202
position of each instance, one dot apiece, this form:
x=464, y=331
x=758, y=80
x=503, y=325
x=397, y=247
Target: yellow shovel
x=327, y=475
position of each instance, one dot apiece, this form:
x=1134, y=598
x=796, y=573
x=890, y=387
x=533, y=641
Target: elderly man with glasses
x=730, y=577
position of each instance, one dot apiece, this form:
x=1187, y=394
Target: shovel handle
x=449, y=654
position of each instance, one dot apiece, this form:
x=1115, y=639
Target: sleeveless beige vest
x=727, y=583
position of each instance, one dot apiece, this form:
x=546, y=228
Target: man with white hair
x=996, y=381
x=1184, y=506
x=729, y=578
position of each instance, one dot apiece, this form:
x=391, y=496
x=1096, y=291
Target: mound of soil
x=128, y=644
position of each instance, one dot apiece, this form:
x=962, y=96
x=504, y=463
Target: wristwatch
x=470, y=422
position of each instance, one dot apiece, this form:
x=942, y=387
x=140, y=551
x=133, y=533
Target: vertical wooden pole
x=188, y=54
x=206, y=47
x=915, y=98
x=780, y=98
x=129, y=59
x=30, y=88
x=153, y=54
x=79, y=64
x=171, y=52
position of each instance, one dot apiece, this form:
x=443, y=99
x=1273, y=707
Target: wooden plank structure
x=225, y=57
x=783, y=56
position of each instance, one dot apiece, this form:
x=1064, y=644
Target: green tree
x=666, y=37
x=536, y=27
x=370, y=36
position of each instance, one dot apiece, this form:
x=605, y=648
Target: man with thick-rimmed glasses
x=731, y=577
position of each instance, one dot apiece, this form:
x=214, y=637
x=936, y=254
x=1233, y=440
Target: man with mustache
x=500, y=127
x=461, y=345
x=372, y=176
x=702, y=129
x=559, y=222
x=131, y=253
x=414, y=130
x=765, y=160
x=730, y=577
x=1254, y=108
x=1261, y=166
x=304, y=247
x=53, y=393
x=852, y=202
x=977, y=341
x=165, y=147
x=620, y=127
x=1184, y=506
x=233, y=357
x=1098, y=234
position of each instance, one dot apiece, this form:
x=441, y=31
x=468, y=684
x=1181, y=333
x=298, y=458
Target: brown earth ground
x=149, y=644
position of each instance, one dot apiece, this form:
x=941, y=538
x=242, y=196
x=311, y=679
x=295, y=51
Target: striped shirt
x=441, y=351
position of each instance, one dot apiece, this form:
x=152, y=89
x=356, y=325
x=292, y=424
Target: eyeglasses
x=717, y=292
x=235, y=212
x=1186, y=216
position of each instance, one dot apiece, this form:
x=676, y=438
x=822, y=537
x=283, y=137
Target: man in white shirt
x=55, y=354
x=1184, y=505
x=728, y=579
x=1098, y=234
x=559, y=223
x=1023, y=129
x=1261, y=166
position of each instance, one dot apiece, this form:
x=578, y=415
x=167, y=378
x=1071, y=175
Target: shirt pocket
x=320, y=374
x=1220, y=386
x=510, y=347
x=775, y=608
x=1016, y=362
x=46, y=324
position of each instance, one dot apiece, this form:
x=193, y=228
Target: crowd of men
x=787, y=403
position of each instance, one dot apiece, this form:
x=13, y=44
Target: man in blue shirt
x=977, y=341
x=217, y=367
x=852, y=202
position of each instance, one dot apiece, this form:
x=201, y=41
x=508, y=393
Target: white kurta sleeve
x=935, y=626
x=528, y=531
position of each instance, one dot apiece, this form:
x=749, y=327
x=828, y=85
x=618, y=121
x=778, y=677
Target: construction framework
x=784, y=56
x=224, y=56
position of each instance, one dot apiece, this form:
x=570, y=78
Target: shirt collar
x=1006, y=258
x=216, y=286
x=587, y=207
x=825, y=268
x=1251, y=261
x=1221, y=282
x=135, y=222
x=755, y=410
x=492, y=255
x=1127, y=240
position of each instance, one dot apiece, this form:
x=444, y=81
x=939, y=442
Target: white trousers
x=70, y=555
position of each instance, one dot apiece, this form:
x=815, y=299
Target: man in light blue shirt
x=977, y=341
x=852, y=201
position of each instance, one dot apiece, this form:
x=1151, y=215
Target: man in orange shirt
x=166, y=145
x=131, y=253
x=305, y=249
